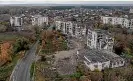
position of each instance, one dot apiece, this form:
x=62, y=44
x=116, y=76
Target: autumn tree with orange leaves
x=5, y=52
x=52, y=41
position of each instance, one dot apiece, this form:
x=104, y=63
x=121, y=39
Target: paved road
x=21, y=71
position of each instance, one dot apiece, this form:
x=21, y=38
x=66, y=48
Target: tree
x=119, y=48
x=52, y=41
x=130, y=44
x=5, y=52
x=3, y=28
x=20, y=45
x=37, y=30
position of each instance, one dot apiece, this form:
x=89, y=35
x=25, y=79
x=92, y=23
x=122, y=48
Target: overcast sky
x=66, y=1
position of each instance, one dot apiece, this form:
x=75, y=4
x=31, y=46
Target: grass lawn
x=32, y=70
x=8, y=37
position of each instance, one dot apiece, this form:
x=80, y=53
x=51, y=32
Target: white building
x=100, y=59
x=39, y=20
x=59, y=25
x=16, y=21
x=64, y=26
x=70, y=28
x=124, y=22
x=131, y=10
x=100, y=39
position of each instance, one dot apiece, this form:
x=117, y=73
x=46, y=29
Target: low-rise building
x=100, y=59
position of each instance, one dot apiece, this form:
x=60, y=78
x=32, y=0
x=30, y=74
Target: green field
x=8, y=37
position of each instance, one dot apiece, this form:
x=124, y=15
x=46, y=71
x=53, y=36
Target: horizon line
x=67, y=2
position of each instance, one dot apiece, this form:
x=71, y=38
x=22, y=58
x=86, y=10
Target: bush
x=76, y=75
x=3, y=28
x=32, y=69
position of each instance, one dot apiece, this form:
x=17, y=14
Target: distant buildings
x=39, y=20
x=100, y=39
x=80, y=23
x=100, y=59
x=124, y=22
x=19, y=21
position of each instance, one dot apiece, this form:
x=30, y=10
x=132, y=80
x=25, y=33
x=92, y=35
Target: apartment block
x=124, y=22
x=16, y=21
x=39, y=20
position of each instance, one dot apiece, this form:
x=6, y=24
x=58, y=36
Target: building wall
x=97, y=66
x=16, y=21
x=92, y=39
x=100, y=66
x=131, y=11
x=11, y=21
x=78, y=31
x=110, y=44
x=131, y=24
x=58, y=25
x=39, y=20
x=117, y=63
x=84, y=32
x=68, y=27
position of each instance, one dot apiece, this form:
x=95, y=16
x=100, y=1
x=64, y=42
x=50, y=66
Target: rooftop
x=95, y=55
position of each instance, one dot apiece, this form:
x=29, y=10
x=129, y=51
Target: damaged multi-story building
x=100, y=39
x=71, y=28
x=98, y=54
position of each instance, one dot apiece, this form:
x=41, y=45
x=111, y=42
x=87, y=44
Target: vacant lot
x=65, y=62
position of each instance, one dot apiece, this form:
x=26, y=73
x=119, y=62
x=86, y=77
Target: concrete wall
x=97, y=66
x=100, y=66
x=117, y=64
x=92, y=38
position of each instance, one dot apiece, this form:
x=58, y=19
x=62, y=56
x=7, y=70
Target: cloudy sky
x=66, y=1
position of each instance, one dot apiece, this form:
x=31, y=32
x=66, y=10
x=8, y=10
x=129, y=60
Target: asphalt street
x=21, y=71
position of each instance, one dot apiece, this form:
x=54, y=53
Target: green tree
x=21, y=44
x=37, y=30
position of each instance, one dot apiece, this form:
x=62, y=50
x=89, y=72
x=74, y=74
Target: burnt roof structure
x=94, y=55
